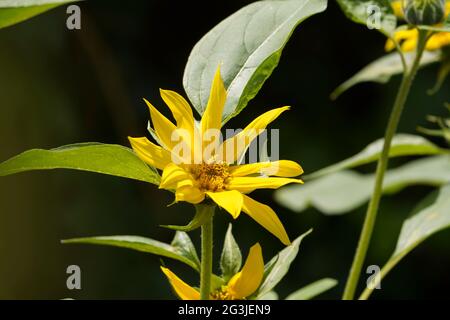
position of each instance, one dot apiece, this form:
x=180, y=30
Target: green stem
x=207, y=255
x=372, y=209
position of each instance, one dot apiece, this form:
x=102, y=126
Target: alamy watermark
x=74, y=279
x=374, y=280
x=73, y=21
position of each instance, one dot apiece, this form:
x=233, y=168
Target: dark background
x=59, y=87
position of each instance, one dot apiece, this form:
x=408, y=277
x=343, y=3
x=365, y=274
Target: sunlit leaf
x=107, y=159
x=426, y=222
x=402, y=145
x=248, y=45
x=362, y=11
x=382, y=69
x=343, y=191
x=139, y=244
x=431, y=216
x=271, y=295
x=15, y=11
x=312, y=290
x=278, y=266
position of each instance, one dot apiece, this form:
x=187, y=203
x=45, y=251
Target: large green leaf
x=344, y=191
x=140, y=244
x=312, y=290
x=95, y=157
x=359, y=11
x=231, y=258
x=402, y=145
x=15, y=11
x=278, y=266
x=382, y=69
x=248, y=46
x=431, y=216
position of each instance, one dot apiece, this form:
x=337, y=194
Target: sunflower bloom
x=242, y=285
x=408, y=38
x=198, y=167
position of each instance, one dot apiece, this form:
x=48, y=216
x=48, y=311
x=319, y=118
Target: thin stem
x=207, y=255
x=372, y=209
x=400, y=52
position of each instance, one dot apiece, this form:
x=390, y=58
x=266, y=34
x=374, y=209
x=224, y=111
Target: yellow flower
x=203, y=168
x=242, y=285
x=408, y=38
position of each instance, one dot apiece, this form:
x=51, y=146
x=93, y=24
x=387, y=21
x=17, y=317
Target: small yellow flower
x=242, y=285
x=216, y=176
x=408, y=38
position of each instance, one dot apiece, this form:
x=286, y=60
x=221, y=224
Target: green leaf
x=402, y=145
x=426, y=222
x=231, y=258
x=139, y=244
x=382, y=69
x=312, y=290
x=202, y=214
x=278, y=266
x=361, y=11
x=108, y=159
x=15, y=11
x=183, y=243
x=248, y=45
x=431, y=216
x=271, y=295
x=344, y=191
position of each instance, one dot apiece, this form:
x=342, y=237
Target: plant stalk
x=207, y=255
x=371, y=214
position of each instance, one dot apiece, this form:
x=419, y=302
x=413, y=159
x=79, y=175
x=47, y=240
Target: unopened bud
x=424, y=12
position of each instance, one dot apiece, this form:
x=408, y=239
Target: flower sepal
x=203, y=213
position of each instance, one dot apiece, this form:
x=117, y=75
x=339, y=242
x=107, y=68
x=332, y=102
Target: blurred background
x=59, y=87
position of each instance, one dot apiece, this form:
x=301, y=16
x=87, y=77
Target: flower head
x=242, y=285
x=197, y=165
x=408, y=38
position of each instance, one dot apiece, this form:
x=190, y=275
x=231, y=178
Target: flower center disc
x=210, y=177
x=221, y=294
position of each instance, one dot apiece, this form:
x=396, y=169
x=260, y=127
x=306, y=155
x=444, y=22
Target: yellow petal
x=172, y=175
x=212, y=117
x=180, y=108
x=182, y=113
x=233, y=148
x=389, y=46
x=281, y=168
x=231, y=201
x=183, y=290
x=438, y=41
x=398, y=8
x=409, y=45
x=189, y=194
x=248, y=280
x=150, y=153
x=163, y=127
x=248, y=184
x=266, y=217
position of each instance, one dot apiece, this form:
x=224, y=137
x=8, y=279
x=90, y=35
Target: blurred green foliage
x=59, y=87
